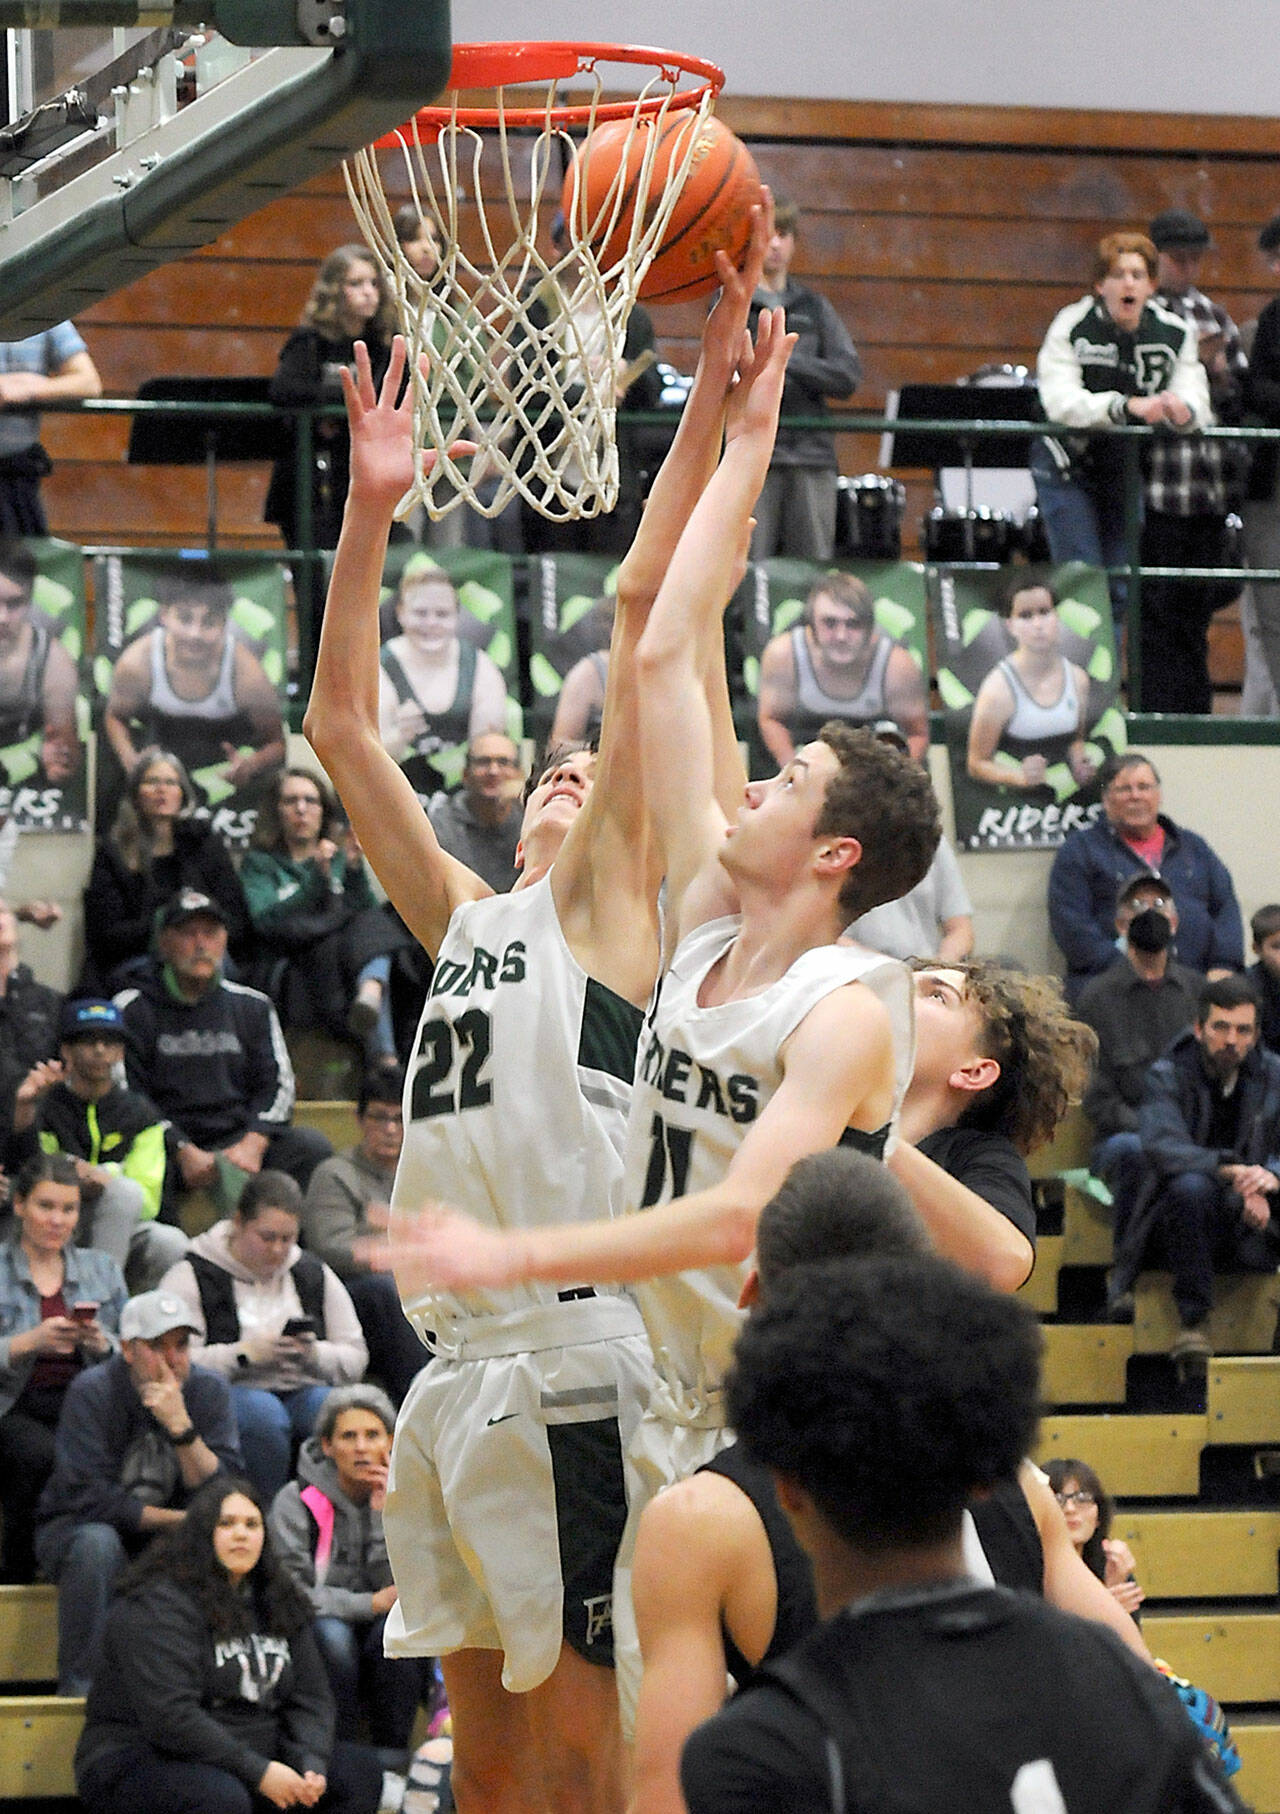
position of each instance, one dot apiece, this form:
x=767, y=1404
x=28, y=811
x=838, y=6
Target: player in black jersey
x=882, y=1394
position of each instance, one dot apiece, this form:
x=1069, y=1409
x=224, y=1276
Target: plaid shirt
x=1187, y=475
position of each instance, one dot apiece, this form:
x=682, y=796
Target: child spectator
x=1265, y=974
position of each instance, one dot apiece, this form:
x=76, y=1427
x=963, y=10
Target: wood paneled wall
x=946, y=237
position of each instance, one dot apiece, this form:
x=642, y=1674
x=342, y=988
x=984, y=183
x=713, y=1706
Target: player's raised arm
x=678, y=647
x=423, y=882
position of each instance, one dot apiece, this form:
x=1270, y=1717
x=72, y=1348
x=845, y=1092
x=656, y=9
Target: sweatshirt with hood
x=339, y=1569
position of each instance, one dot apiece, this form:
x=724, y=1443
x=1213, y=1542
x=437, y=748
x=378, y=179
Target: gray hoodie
x=356, y=1568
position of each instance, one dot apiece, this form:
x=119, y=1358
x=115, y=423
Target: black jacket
x=1135, y=1021
x=1174, y=1120
x=29, y=1014
x=120, y=903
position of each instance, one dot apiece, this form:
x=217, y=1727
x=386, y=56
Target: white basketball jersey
x=516, y=1100
x=704, y=1077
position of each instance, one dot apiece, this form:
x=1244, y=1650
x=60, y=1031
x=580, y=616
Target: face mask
x=1150, y=930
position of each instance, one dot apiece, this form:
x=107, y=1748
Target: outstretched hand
x=756, y=398
x=439, y=1248
x=384, y=462
x=724, y=327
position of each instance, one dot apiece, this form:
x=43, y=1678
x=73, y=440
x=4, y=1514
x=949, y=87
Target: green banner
x=45, y=715
x=1031, y=712
x=571, y=599
x=190, y=654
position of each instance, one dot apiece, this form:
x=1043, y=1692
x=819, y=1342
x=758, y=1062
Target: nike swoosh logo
x=502, y=1419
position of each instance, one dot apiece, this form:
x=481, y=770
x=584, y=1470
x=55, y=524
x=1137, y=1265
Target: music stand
x=936, y=448
x=192, y=439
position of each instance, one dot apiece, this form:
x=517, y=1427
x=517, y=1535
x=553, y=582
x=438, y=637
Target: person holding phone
x=276, y=1323
x=59, y=1313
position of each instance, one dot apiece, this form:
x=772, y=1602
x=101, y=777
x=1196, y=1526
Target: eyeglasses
x=1079, y=1497
x=385, y=1117
x=492, y=762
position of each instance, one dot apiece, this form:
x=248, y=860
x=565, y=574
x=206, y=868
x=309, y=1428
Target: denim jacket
x=89, y=1276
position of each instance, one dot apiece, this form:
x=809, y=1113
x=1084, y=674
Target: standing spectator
x=38, y=684
x=274, y=1322
x=320, y=931
x=349, y=301
x=29, y=1014
x=44, y=368
x=1191, y=484
x=933, y=919
x=1210, y=1130
x=189, y=683
x=1133, y=835
x=114, y=1137
x=212, y=1696
x=838, y=664
x=156, y=847
x=344, y=1194
x=480, y=823
x=1261, y=508
x=1114, y=356
x=1265, y=974
x=137, y=1436
x=796, y=511
x=326, y=1526
x=211, y=1056
x=1136, y=1007
x=59, y=1312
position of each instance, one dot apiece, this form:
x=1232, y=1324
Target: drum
x=1034, y=538
x=869, y=517
x=989, y=536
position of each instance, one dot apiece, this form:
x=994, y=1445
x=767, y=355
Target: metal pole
x=1133, y=556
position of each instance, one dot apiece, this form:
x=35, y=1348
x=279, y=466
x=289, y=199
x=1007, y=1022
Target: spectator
x=1087, y=1508
x=155, y=848
x=41, y=913
x=190, y=684
x=275, y=1323
x=1032, y=708
x=212, y=1695
x=349, y=301
x=1265, y=974
x=44, y=368
x=480, y=823
x=935, y=918
x=345, y=1192
x=848, y=1415
x=580, y=705
x=838, y=664
x=436, y=689
x=319, y=928
x=1191, y=484
x=136, y=1438
x=211, y=1056
x=326, y=1527
x=1133, y=834
x=796, y=511
x=38, y=684
x=59, y=1312
x=1116, y=357
x=114, y=1137
x=1136, y=1007
x=1210, y=1130
x=29, y=1014
x=1261, y=509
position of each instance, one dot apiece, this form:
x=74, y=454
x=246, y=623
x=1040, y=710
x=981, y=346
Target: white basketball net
x=536, y=389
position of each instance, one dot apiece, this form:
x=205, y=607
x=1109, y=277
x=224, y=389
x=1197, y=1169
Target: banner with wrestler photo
x=571, y=601
x=44, y=713
x=449, y=664
x=811, y=643
x=1027, y=674
x=190, y=656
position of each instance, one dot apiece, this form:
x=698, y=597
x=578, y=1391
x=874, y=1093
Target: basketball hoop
x=524, y=349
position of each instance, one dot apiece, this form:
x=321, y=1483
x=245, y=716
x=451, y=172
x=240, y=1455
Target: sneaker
x=392, y=1797
x=1191, y=1344
x=1120, y=1306
x=362, y=1015
x=428, y=1787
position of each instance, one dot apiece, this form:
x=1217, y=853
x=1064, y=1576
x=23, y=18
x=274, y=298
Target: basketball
x=713, y=209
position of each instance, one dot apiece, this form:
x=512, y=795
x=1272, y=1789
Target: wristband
x=188, y=1436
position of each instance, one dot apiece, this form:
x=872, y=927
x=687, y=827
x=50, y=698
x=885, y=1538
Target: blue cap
x=91, y=1015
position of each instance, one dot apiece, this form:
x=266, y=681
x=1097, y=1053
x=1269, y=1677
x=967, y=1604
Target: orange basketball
x=713, y=211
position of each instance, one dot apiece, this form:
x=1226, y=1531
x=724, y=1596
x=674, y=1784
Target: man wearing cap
x=935, y=918
x=137, y=1436
x=1191, y=485
x=114, y=1134
x=1136, y=1008
x=211, y=1056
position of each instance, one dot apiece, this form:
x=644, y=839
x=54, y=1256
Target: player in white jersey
x=515, y=1104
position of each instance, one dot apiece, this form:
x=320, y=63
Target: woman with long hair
x=59, y=1312
x=1088, y=1510
x=212, y=1695
x=156, y=847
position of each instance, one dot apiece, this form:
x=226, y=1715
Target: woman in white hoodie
x=274, y=1322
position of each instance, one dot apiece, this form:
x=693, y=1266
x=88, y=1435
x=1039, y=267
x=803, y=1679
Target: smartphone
x=83, y=1312
x=299, y=1325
